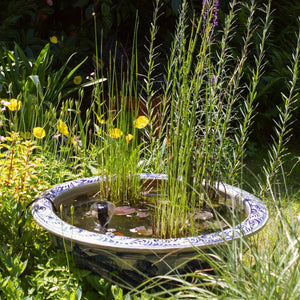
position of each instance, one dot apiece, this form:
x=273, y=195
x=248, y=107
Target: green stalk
x=283, y=126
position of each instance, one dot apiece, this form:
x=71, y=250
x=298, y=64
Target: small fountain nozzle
x=103, y=212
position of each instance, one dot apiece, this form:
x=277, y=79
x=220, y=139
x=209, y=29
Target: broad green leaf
x=24, y=58
x=36, y=81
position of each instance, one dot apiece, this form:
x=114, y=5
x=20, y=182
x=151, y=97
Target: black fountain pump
x=102, y=209
x=102, y=212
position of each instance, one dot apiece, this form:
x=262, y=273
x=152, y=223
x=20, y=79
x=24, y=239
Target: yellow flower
x=39, y=132
x=141, y=122
x=63, y=127
x=115, y=133
x=53, y=39
x=128, y=137
x=14, y=104
x=77, y=80
x=25, y=135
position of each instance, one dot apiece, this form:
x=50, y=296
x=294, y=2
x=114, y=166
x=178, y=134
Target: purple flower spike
x=206, y=4
x=215, y=12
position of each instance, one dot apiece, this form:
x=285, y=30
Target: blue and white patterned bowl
x=134, y=259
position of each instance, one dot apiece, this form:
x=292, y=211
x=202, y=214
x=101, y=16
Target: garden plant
x=188, y=115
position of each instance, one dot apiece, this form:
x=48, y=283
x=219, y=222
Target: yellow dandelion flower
x=63, y=128
x=141, y=122
x=77, y=80
x=53, y=39
x=115, y=133
x=14, y=104
x=39, y=132
x=128, y=137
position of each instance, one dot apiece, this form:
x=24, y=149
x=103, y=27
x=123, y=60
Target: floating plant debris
x=203, y=215
x=142, y=230
x=124, y=210
x=143, y=214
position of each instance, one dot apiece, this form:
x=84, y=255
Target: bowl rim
x=44, y=215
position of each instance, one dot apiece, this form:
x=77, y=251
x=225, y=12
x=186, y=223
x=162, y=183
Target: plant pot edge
x=43, y=213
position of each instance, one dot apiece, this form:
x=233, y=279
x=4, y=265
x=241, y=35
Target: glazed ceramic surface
x=134, y=256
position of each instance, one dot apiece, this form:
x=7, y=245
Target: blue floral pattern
x=42, y=210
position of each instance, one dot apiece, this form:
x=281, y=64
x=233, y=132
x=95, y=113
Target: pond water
x=86, y=212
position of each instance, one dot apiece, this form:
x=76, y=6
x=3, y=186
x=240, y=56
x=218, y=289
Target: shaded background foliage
x=30, y=23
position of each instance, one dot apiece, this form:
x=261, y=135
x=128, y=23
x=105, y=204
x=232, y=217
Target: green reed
x=208, y=107
x=115, y=111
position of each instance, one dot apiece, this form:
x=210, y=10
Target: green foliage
x=25, y=78
x=281, y=39
x=37, y=90
x=14, y=266
x=51, y=280
x=18, y=171
x=30, y=269
x=266, y=266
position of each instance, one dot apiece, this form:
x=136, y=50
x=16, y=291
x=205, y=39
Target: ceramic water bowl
x=132, y=260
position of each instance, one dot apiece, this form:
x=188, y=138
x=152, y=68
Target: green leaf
x=13, y=264
x=69, y=77
x=24, y=58
x=117, y=292
x=41, y=64
x=76, y=295
x=94, y=82
x=42, y=59
x=105, y=9
x=57, y=81
x=36, y=81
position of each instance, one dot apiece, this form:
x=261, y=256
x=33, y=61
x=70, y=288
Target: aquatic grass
x=195, y=139
x=204, y=115
x=205, y=112
x=118, y=124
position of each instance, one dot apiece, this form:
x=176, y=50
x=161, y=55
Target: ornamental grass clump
x=119, y=124
x=118, y=128
x=208, y=106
